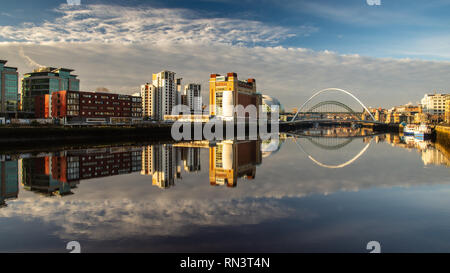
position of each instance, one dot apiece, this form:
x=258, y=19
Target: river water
x=324, y=190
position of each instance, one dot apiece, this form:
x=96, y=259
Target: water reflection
x=230, y=160
x=9, y=171
x=57, y=174
x=112, y=193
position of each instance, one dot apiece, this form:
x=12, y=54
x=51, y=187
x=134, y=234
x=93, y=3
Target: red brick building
x=41, y=106
x=77, y=107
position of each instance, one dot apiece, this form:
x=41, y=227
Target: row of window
x=103, y=102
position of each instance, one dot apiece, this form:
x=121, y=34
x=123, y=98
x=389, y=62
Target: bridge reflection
x=332, y=138
x=58, y=174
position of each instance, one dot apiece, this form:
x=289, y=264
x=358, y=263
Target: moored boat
x=423, y=132
x=409, y=129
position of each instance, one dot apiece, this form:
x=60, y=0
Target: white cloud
x=119, y=48
x=108, y=220
x=289, y=74
x=114, y=24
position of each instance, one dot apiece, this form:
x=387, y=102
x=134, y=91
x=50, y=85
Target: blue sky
x=396, y=28
x=387, y=55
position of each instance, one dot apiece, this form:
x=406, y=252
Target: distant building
x=76, y=107
x=380, y=114
x=193, y=95
x=9, y=96
x=434, y=104
x=226, y=92
x=447, y=109
x=421, y=118
x=45, y=81
x=161, y=95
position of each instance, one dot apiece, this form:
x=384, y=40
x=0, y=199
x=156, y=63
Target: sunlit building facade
x=434, y=104
x=77, y=107
x=226, y=92
x=45, y=81
x=447, y=109
x=161, y=95
x=9, y=87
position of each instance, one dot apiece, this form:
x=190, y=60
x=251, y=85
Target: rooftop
x=51, y=69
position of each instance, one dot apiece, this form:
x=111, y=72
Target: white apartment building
x=434, y=104
x=194, y=97
x=161, y=95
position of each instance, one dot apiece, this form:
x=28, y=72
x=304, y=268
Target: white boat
x=423, y=132
x=409, y=129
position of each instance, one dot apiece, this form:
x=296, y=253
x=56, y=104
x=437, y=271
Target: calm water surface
x=312, y=193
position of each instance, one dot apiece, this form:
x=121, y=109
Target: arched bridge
x=331, y=103
x=323, y=108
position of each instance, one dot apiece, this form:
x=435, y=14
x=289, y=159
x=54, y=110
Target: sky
x=386, y=55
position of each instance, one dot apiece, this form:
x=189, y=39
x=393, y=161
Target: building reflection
x=9, y=183
x=431, y=153
x=164, y=162
x=38, y=176
x=59, y=173
x=341, y=131
x=160, y=162
x=231, y=159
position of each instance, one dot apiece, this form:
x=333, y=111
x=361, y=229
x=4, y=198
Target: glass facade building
x=46, y=80
x=9, y=89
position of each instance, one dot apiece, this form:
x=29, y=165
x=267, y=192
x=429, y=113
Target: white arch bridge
x=337, y=108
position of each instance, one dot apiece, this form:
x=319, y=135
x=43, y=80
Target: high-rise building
x=193, y=95
x=179, y=91
x=226, y=92
x=45, y=81
x=434, y=104
x=9, y=95
x=161, y=95
x=150, y=101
